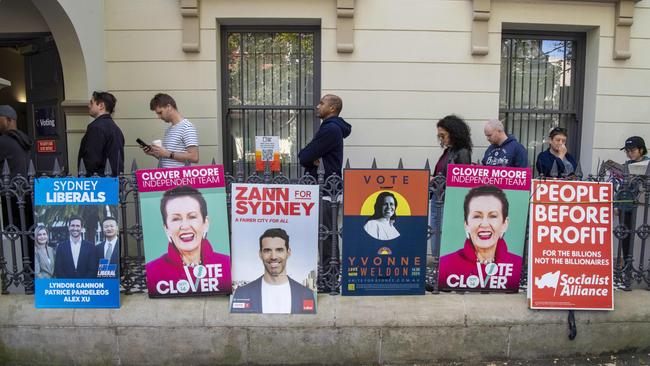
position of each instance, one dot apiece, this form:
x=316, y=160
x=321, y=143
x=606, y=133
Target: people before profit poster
x=76, y=243
x=571, y=245
x=385, y=237
x=483, y=228
x=185, y=231
x=274, y=248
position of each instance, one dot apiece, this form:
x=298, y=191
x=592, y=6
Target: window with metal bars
x=270, y=85
x=541, y=88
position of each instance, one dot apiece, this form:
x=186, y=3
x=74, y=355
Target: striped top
x=178, y=138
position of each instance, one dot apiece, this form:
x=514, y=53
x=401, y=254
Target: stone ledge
x=442, y=310
x=346, y=330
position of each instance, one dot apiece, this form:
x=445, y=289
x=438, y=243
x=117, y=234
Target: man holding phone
x=103, y=139
x=181, y=142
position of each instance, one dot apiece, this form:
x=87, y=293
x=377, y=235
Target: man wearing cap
x=15, y=145
x=103, y=139
x=635, y=150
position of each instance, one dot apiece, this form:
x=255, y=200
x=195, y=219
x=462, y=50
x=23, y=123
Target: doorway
x=32, y=64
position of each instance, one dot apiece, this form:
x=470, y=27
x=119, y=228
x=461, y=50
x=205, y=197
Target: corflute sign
x=571, y=245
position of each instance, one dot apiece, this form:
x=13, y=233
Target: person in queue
x=556, y=154
x=456, y=139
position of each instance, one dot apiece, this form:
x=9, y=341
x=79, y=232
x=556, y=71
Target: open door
x=45, y=117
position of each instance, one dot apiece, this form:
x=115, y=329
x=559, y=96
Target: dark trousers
x=326, y=251
x=628, y=219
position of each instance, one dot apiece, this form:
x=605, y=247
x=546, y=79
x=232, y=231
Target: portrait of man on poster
x=75, y=257
x=274, y=292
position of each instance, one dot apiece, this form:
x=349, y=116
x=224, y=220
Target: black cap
x=634, y=142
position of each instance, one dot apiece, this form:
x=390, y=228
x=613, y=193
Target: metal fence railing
x=631, y=227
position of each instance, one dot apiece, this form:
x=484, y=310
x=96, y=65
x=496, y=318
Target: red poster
x=45, y=146
x=571, y=245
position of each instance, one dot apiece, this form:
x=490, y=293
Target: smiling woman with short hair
x=185, y=221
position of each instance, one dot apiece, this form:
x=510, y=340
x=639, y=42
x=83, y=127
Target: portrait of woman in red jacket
x=486, y=221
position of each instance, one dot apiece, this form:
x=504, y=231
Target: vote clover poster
x=185, y=228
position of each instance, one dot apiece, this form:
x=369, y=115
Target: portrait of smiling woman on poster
x=189, y=253
x=381, y=225
x=486, y=219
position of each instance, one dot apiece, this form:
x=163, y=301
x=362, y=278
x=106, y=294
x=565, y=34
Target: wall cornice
x=624, y=18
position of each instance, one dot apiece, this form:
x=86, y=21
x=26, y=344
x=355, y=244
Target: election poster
x=185, y=228
x=76, y=243
x=483, y=228
x=385, y=238
x=571, y=245
x=267, y=148
x=274, y=248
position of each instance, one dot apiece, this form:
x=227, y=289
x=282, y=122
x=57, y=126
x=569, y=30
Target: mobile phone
x=142, y=143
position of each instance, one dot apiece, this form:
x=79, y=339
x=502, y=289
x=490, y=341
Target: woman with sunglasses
x=556, y=153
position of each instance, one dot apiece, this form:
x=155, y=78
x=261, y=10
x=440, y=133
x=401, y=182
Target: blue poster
x=76, y=243
x=385, y=235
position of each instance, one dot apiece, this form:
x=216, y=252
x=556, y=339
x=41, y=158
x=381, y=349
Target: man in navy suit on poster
x=75, y=257
x=274, y=292
x=110, y=247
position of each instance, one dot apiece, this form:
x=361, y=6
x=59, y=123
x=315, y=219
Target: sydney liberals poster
x=76, y=243
x=571, y=245
x=274, y=248
x=385, y=236
x=185, y=228
x=483, y=228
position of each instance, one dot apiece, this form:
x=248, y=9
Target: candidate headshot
x=485, y=210
x=274, y=292
x=44, y=254
x=185, y=220
x=109, y=248
x=381, y=225
x=75, y=257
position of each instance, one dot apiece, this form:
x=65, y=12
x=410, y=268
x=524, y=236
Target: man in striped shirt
x=181, y=142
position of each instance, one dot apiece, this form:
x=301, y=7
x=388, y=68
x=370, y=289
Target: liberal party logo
x=105, y=269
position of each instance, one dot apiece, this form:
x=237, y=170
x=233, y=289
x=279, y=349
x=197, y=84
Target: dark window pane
x=270, y=92
x=538, y=90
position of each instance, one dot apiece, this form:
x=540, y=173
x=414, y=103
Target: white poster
x=274, y=248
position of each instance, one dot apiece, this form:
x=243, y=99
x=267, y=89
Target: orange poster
x=570, y=259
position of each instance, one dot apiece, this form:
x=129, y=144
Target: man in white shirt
x=274, y=292
x=110, y=247
x=181, y=141
x=75, y=257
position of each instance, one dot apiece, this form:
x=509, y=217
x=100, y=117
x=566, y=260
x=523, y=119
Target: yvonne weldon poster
x=385, y=235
